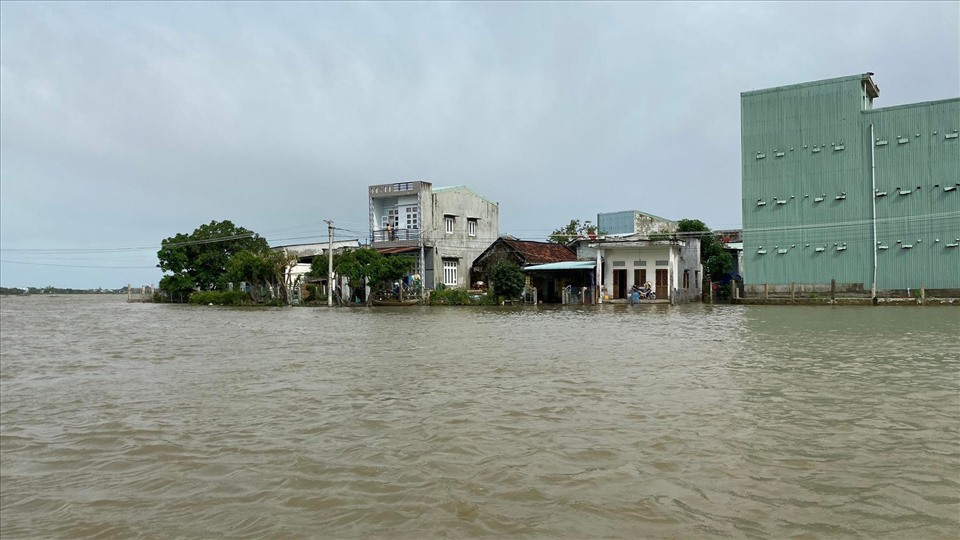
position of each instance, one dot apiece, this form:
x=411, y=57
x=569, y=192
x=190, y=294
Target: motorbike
x=644, y=294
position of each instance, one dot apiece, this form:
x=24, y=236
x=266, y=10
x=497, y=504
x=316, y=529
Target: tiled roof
x=541, y=252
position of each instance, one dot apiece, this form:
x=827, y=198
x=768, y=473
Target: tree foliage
x=716, y=261
x=177, y=286
x=573, y=230
x=199, y=260
x=260, y=269
x=365, y=265
x=508, y=280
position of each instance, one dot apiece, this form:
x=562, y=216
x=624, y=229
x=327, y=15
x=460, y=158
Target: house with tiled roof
x=523, y=253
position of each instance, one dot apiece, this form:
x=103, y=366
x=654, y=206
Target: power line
x=73, y=265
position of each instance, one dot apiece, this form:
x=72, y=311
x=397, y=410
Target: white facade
x=672, y=267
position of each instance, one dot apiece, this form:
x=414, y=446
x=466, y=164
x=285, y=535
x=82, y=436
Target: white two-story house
x=445, y=229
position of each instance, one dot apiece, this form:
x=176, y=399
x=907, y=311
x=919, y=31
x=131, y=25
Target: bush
x=220, y=298
x=313, y=294
x=508, y=280
x=450, y=297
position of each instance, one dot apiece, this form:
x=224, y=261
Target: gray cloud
x=122, y=124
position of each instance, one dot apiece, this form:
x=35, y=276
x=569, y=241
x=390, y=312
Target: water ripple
x=135, y=420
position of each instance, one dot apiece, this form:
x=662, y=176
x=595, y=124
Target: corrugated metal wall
x=616, y=222
x=807, y=194
x=918, y=170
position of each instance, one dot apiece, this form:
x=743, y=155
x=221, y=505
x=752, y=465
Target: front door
x=639, y=277
x=663, y=284
x=619, y=284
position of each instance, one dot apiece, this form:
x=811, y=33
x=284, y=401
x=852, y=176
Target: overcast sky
x=125, y=123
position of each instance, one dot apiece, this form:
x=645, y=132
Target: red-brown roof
x=541, y=252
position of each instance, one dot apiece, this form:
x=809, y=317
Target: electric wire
x=851, y=230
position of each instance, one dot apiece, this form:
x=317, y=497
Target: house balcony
x=384, y=238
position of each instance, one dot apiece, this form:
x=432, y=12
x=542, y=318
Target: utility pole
x=329, y=263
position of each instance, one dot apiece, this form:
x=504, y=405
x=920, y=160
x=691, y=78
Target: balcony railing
x=395, y=235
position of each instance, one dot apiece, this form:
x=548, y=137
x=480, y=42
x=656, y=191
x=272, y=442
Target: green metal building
x=834, y=189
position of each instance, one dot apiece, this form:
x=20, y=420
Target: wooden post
x=833, y=290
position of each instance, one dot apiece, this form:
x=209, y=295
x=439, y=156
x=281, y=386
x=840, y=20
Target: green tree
x=390, y=269
x=201, y=257
x=177, y=286
x=318, y=267
x=260, y=269
x=365, y=266
x=508, y=280
x=716, y=261
x=356, y=265
x=573, y=230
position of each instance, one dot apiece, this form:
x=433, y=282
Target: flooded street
x=139, y=420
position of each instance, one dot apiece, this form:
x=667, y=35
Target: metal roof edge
x=910, y=105
x=564, y=265
x=860, y=77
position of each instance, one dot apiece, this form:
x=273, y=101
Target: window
x=472, y=227
x=412, y=215
x=448, y=221
x=450, y=272
x=686, y=279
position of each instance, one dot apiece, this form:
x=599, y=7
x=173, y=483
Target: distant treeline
x=58, y=290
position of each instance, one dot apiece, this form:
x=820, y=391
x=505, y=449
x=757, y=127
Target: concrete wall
x=433, y=206
x=689, y=261
x=463, y=205
x=645, y=225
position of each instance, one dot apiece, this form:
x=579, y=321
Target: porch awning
x=565, y=265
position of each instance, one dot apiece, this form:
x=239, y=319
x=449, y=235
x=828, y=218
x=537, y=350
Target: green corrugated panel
x=816, y=129
x=916, y=159
x=806, y=145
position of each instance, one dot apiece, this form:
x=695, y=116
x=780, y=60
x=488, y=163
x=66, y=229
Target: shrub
x=508, y=280
x=450, y=297
x=220, y=298
x=313, y=294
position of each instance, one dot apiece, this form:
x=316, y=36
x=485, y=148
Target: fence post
x=793, y=293
x=766, y=292
x=710, y=288
x=833, y=290
x=736, y=290
x=923, y=291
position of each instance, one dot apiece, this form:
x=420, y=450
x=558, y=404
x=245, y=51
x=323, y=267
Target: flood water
x=158, y=421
